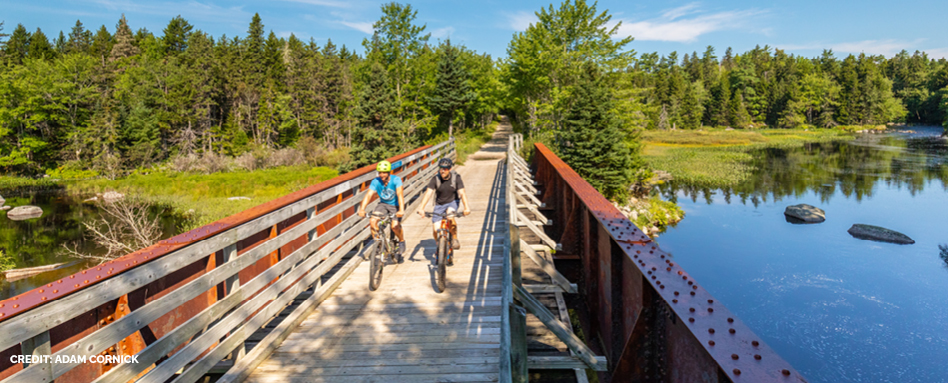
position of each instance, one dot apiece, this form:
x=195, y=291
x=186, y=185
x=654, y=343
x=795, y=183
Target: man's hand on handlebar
x=421, y=212
x=361, y=213
x=467, y=211
x=400, y=213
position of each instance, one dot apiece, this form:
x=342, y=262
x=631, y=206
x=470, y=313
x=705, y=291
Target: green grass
x=204, y=198
x=717, y=158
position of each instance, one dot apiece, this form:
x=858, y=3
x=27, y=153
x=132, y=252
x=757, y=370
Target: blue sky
x=803, y=27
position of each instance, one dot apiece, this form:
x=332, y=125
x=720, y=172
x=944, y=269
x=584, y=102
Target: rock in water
x=112, y=196
x=804, y=213
x=876, y=233
x=20, y=213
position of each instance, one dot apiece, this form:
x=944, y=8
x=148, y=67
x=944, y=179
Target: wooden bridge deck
x=406, y=331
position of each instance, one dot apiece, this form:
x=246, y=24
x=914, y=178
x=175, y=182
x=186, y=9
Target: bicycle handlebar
x=452, y=215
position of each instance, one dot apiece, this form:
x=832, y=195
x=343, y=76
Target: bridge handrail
x=55, y=319
x=651, y=316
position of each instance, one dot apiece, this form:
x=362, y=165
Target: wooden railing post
x=40, y=346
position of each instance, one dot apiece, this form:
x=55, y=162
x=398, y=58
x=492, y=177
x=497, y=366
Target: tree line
x=122, y=100
x=575, y=84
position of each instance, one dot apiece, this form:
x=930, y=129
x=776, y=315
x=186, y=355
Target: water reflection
x=837, y=308
x=908, y=159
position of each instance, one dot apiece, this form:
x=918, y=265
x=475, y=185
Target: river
x=837, y=308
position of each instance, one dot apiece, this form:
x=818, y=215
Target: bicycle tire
x=442, y=263
x=375, y=265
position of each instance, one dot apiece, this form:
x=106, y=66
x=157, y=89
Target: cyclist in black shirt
x=450, y=188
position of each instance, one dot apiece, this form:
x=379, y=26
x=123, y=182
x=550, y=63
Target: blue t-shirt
x=387, y=192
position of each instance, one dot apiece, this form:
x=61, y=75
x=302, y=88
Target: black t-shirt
x=445, y=193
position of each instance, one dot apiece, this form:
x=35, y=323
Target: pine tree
x=378, y=131
x=123, y=47
x=79, y=39
x=717, y=108
x=61, y=45
x=39, y=46
x=592, y=141
x=18, y=46
x=452, y=91
x=691, y=110
x=176, y=35
x=101, y=46
x=737, y=113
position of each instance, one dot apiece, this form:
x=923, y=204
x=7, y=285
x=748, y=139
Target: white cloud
x=362, y=27
x=673, y=25
x=520, y=21
x=887, y=47
x=442, y=33
x=937, y=53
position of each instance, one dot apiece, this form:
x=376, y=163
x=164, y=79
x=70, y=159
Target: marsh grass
x=718, y=158
x=204, y=198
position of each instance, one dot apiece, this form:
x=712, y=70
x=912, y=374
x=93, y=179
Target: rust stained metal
x=739, y=354
x=85, y=278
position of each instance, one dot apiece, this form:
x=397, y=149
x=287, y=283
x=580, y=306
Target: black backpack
x=454, y=181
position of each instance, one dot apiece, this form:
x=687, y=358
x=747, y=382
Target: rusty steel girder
x=653, y=321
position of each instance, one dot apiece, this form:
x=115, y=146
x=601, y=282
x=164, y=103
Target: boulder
x=804, y=213
x=6, y=207
x=20, y=213
x=112, y=196
x=238, y=198
x=2, y=201
x=876, y=233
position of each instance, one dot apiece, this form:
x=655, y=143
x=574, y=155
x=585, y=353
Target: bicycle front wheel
x=375, y=265
x=442, y=262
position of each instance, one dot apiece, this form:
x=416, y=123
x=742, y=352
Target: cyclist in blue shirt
x=391, y=200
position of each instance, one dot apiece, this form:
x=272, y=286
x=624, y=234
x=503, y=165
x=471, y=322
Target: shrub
x=285, y=157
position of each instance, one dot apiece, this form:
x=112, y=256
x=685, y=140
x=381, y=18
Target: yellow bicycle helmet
x=384, y=167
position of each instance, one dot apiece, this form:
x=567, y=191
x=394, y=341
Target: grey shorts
x=440, y=209
x=385, y=208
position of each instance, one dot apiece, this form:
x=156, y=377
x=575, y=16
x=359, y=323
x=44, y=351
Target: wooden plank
x=543, y=289
x=301, y=366
x=549, y=268
x=582, y=351
x=561, y=363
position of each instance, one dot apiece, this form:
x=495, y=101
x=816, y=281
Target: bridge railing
x=181, y=306
x=653, y=321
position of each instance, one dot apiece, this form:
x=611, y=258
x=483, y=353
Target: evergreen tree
x=123, y=46
x=717, y=108
x=79, y=39
x=691, y=110
x=377, y=135
x=592, y=141
x=39, y=46
x=18, y=46
x=3, y=38
x=176, y=35
x=101, y=47
x=60, y=45
x=737, y=113
x=452, y=91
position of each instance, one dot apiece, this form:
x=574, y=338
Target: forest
x=103, y=102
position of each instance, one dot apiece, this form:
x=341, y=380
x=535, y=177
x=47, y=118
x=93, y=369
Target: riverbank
x=718, y=158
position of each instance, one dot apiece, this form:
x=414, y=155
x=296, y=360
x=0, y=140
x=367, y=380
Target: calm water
x=839, y=309
x=39, y=241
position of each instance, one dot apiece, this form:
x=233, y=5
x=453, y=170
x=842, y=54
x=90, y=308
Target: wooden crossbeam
x=548, y=267
x=536, y=230
x=559, y=329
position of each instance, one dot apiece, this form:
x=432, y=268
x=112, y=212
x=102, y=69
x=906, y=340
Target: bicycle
x=444, y=252
x=386, y=245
